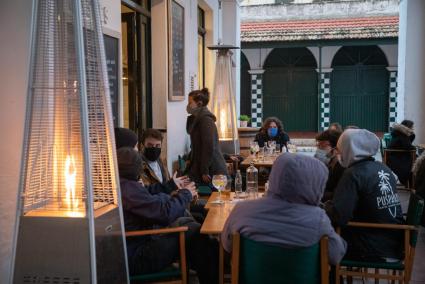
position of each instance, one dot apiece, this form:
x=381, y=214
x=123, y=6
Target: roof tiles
x=320, y=29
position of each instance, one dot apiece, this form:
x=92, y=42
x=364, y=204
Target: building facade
x=144, y=41
x=312, y=63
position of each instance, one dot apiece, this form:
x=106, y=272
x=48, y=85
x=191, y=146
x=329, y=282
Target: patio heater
x=69, y=220
x=223, y=100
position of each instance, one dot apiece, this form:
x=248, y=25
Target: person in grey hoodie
x=366, y=193
x=289, y=216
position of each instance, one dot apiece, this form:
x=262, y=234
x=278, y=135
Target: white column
x=411, y=63
x=14, y=70
x=231, y=34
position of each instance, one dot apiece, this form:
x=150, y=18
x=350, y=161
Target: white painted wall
x=411, y=62
x=14, y=57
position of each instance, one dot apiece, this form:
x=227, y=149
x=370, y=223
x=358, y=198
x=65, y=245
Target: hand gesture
x=206, y=178
x=180, y=182
x=192, y=188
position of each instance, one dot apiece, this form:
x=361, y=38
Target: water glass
x=253, y=147
x=261, y=154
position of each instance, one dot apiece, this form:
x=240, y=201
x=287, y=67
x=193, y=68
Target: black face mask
x=152, y=153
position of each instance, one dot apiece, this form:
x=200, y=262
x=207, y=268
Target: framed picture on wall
x=175, y=51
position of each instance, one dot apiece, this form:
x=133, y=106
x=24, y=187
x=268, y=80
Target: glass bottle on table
x=238, y=184
x=252, y=181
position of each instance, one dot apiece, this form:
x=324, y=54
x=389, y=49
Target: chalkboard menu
x=111, y=52
x=176, y=51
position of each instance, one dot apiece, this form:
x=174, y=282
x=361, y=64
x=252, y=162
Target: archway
x=359, y=87
x=290, y=88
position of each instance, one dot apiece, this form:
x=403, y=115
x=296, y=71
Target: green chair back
x=414, y=215
x=264, y=263
x=182, y=165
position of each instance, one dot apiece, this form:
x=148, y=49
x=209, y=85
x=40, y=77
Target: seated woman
x=289, y=216
x=272, y=130
x=402, y=136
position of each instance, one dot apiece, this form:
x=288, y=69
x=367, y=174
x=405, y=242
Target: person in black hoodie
x=402, y=136
x=366, y=193
x=205, y=158
x=272, y=130
x=149, y=208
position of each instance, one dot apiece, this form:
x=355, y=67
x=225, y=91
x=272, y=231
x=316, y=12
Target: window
x=201, y=48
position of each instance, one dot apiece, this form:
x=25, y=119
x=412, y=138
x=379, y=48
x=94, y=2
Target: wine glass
x=253, y=147
x=219, y=182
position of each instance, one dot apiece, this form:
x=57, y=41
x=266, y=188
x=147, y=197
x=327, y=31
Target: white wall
x=411, y=62
x=14, y=57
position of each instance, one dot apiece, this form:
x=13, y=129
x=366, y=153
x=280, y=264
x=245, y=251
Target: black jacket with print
x=367, y=193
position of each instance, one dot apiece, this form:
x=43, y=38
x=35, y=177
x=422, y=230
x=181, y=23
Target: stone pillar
x=256, y=97
x=411, y=65
x=325, y=98
x=392, y=111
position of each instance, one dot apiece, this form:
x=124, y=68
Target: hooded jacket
x=289, y=216
x=366, y=193
x=401, y=163
x=205, y=157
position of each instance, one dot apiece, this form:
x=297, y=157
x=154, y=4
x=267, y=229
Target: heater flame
x=71, y=200
x=223, y=123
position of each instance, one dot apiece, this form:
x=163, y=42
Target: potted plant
x=244, y=120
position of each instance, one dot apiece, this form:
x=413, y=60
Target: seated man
x=289, y=216
x=127, y=138
x=148, y=208
x=326, y=152
x=154, y=169
x=366, y=193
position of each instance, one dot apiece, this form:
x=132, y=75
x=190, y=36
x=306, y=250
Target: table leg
x=221, y=264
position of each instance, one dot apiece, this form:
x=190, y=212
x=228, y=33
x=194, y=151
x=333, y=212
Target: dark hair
x=151, y=133
x=329, y=135
x=129, y=163
x=202, y=96
x=269, y=120
x=125, y=137
x=336, y=126
x=407, y=123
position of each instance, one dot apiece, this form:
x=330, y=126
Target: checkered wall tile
x=393, y=98
x=256, y=100
x=325, y=100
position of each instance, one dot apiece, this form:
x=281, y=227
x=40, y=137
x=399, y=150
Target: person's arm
x=337, y=247
x=160, y=208
x=157, y=188
x=340, y=209
x=207, y=128
x=259, y=139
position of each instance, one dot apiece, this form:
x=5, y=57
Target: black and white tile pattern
x=325, y=100
x=393, y=98
x=256, y=100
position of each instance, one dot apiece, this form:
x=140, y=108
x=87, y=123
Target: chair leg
x=337, y=275
x=183, y=265
x=376, y=279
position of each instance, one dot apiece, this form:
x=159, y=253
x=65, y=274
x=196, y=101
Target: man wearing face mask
x=272, y=130
x=326, y=152
x=367, y=192
x=154, y=170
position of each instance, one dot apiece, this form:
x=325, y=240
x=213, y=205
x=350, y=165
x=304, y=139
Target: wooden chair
x=255, y=262
x=168, y=275
x=387, y=152
x=403, y=267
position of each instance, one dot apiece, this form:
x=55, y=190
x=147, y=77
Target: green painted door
x=359, y=96
x=290, y=93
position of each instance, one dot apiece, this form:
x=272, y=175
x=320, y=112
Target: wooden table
x=217, y=214
x=266, y=162
x=215, y=220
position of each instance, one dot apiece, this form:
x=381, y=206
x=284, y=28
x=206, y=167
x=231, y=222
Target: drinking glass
x=253, y=147
x=219, y=182
x=261, y=154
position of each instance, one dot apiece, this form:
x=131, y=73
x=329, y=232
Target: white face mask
x=323, y=155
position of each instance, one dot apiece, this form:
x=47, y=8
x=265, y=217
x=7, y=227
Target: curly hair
x=269, y=120
x=202, y=96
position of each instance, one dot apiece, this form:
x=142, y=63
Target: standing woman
x=272, y=130
x=205, y=157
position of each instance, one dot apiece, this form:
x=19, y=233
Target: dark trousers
x=161, y=251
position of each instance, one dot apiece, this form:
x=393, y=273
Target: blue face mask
x=272, y=132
